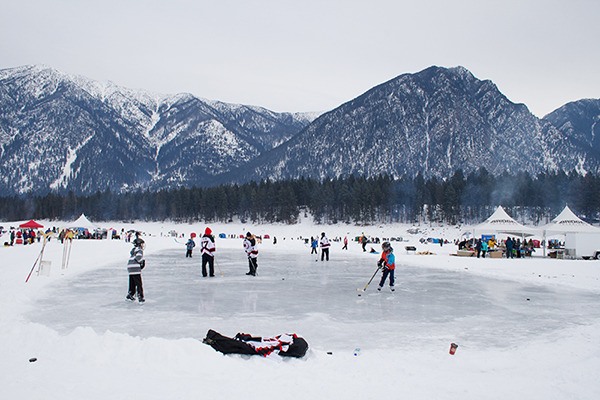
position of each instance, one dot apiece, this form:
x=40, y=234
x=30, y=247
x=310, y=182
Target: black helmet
x=386, y=246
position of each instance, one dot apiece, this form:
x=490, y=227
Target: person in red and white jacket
x=208, y=248
x=324, y=243
x=251, y=252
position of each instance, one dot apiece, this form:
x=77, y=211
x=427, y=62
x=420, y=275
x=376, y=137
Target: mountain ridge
x=124, y=139
x=59, y=133
x=432, y=122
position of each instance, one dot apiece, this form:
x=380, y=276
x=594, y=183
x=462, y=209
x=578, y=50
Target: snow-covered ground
x=525, y=328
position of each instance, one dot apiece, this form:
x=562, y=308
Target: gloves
x=380, y=263
x=142, y=264
x=242, y=336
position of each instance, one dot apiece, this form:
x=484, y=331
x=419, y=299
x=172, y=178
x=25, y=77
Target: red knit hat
x=207, y=231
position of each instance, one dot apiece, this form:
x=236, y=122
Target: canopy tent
x=31, y=224
x=501, y=222
x=568, y=224
x=83, y=222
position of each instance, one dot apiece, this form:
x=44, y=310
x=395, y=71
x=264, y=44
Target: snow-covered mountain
x=579, y=123
x=59, y=132
x=432, y=122
x=62, y=132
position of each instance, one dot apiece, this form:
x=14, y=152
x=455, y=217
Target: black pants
x=188, y=253
x=325, y=254
x=387, y=272
x=135, y=286
x=210, y=260
x=253, y=265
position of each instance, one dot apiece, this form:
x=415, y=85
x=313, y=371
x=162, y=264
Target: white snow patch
x=67, y=170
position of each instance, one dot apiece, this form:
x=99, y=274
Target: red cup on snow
x=453, y=347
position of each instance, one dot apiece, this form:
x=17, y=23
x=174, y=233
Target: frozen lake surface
x=317, y=300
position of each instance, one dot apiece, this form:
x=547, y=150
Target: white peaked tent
x=567, y=222
x=501, y=222
x=580, y=237
x=83, y=222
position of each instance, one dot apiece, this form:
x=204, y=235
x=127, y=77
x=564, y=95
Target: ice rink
x=295, y=292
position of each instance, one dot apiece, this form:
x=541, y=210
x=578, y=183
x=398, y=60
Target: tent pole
x=544, y=241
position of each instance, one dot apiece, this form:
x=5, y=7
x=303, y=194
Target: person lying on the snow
x=285, y=345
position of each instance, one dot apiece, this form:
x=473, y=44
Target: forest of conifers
x=459, y=199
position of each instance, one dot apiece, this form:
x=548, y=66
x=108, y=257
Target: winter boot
x=141, y=300
x=130, y=297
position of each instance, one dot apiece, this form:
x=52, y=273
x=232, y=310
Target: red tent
x=31, y=224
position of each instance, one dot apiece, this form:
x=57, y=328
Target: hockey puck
x=33, y=359
x=360, y=294
x=329, y=352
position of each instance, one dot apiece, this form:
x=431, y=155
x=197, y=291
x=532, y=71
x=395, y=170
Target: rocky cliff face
x=579, y=123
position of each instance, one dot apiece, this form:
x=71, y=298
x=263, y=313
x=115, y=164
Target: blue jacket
x=389, y=260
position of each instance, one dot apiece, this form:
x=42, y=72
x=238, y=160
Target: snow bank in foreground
x=83, y=363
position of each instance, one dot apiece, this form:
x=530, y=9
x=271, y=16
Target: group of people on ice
x=137, y=263
x=324, y=243
x=24, y=236
x=208, y=248
x=30, y=236
x=510, y=247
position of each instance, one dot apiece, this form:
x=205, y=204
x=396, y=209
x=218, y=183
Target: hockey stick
x=370, y=280
x=218, y=266
x=66, y=253
x=39, y=257
x=34, y=264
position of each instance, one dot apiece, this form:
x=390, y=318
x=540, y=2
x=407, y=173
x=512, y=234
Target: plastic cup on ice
x=453, y=347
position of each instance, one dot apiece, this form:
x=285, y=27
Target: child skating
x=388, y=262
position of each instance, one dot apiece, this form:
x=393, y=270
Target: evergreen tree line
x=459, y=199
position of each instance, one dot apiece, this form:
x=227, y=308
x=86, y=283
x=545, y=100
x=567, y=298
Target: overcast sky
x=310, y=55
